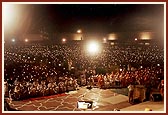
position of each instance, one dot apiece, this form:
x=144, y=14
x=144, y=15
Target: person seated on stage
x=55, y=87
x=101, y=81
x=49, y=86
x=61, y=86
x=76, y=86
x=40, y=89
x=70, y=81
x=17, y=92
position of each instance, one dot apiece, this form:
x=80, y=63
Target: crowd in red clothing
x=144, y=76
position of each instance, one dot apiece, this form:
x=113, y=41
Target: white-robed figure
x=6, y=92
x=61, y=87
x=76, y=86
x=106, y=82
x=16, y=81
x=33, y=89
x=40, y=89
x=70, y=84
x=109, y=77
x=70, y=81
x=51, y=88
x=17, y=92
x=56, y=88
x=44, y=88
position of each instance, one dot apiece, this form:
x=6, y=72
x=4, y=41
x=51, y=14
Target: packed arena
x=62, y=56
x=36, y=70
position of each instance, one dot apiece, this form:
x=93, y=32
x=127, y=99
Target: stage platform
x=104, y=100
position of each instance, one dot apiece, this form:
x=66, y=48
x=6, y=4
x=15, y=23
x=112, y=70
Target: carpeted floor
x=44, y=97
x=103, y=100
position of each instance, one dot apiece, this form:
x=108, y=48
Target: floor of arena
x=103, y=100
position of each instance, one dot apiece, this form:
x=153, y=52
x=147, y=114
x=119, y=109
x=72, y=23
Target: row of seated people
x=21, y=91
x=101, y=82
x=25, y=90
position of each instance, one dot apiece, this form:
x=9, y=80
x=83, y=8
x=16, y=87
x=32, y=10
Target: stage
x=103, y=100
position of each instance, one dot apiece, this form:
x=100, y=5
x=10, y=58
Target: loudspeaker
x=156, y=97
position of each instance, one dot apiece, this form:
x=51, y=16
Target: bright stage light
x=79, y=31
x=11, y=15
x=146, y=35
x=26, y=40
x=93, y=47
x=7, y=12
x=112, y=36
x=63, y=40
x=13, y=40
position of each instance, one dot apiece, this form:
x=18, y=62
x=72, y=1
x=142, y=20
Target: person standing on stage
x=131, y=93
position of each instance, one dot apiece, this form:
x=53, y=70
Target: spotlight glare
x=13, y=40
x=8, y=12
x=11, y=15
x=63, y=39
x=79, y=31
x=26, y=40
x=93, y=47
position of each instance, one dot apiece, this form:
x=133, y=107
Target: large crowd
x=35, y=70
